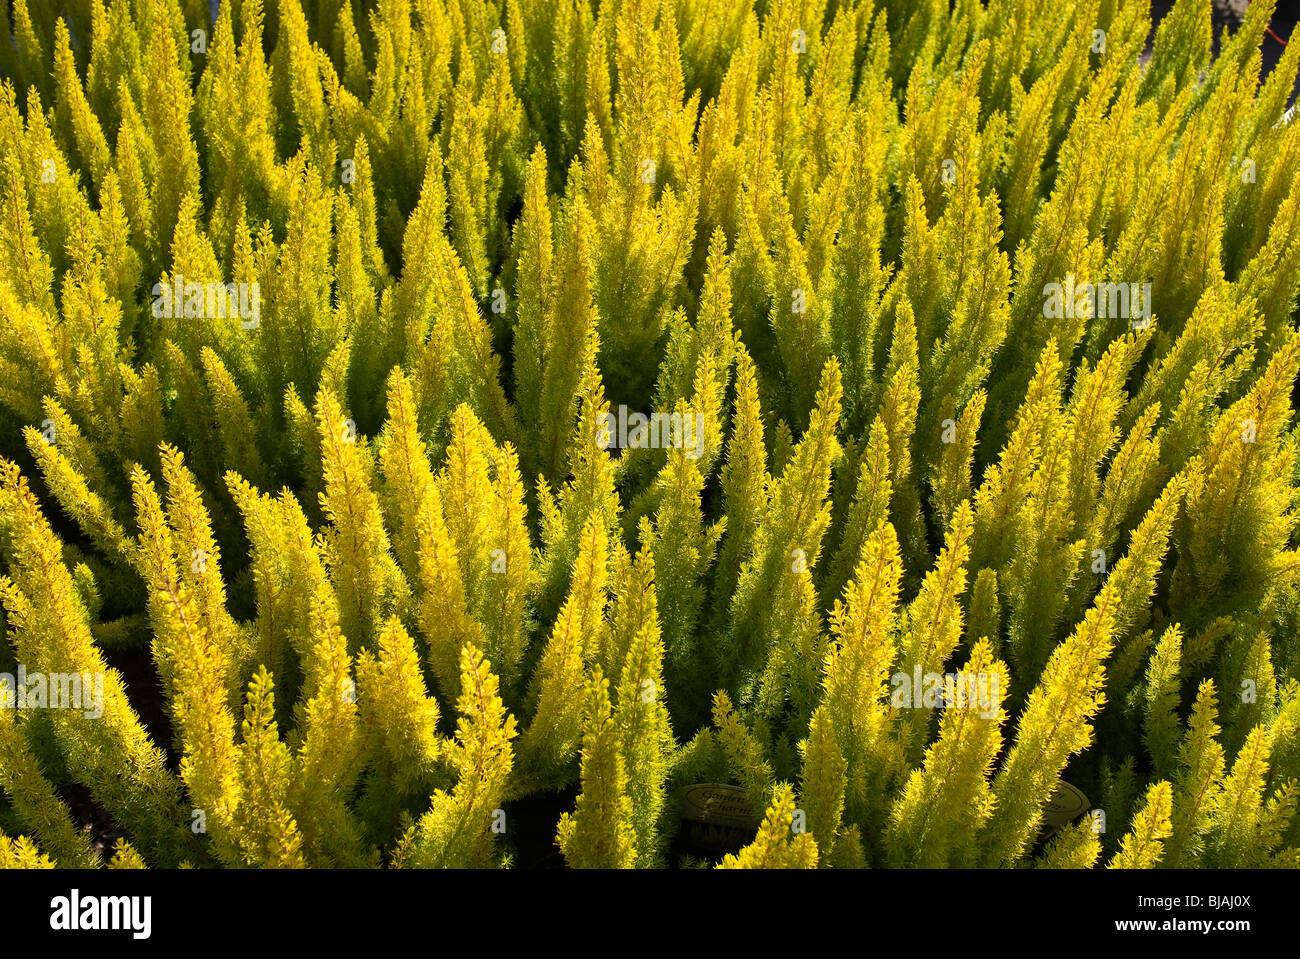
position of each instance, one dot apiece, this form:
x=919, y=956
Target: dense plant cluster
x=411, y=410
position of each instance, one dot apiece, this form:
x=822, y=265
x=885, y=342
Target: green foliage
x=414, y=417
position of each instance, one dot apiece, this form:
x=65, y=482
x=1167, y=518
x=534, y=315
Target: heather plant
x=462, y=433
